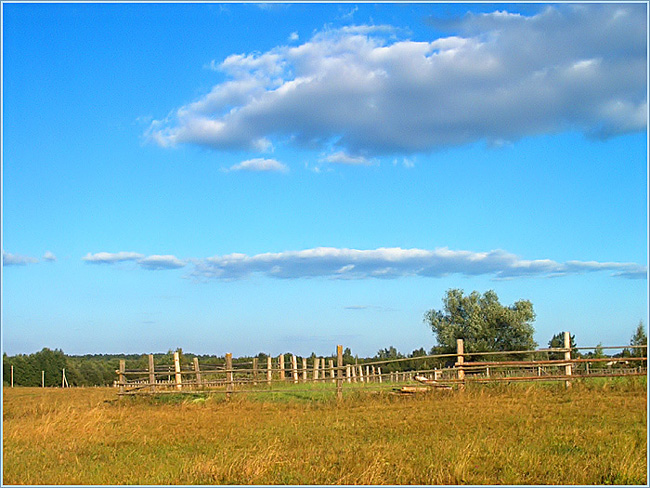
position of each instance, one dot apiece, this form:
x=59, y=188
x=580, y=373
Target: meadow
x=592, y=433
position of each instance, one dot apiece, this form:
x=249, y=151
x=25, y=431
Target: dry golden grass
x=541, y=434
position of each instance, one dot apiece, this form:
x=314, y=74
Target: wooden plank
x=269, y=370
x=177, y=371
x=460, y=349
x=567, y=357
x=255, y=365
x=121, y=378
x=152, y=374
x=230, y=384
x=332, y=374
x=316, y=361
x=339, y=365
x=197, y=371
x=281, y=367
x=294, y=368
x=304, y=369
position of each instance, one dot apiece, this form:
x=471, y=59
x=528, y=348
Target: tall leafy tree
x=482, y=322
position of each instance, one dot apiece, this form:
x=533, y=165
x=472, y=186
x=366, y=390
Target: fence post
x=354, y=373
x=567, y=357
x=331, y=364
x=269, y=370
x=460, y=349
x=316, y=361
x=368, y=378
x=197, y=370
x=121, y=376
x=379, y=373
x=177, y=371
x=361, y=379
x=255, y=361
x=339, y=376
x=348, y=373
x=294, y=368
x=12, y=375
x=152, y=375
x=229, y=375
x=304, y=370
x=281, y=364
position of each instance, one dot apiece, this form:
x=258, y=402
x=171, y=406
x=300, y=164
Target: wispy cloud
x=387, y=263
x=109, y=258
x=382, y=263
x=153, y=262
x=260, y=165
x=341, y=157
x=9, y=259
x=49, y=256
x=161, y=262
x=362, y=91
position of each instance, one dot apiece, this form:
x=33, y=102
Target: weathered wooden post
x=121, y=377
x=197, y=371
x=12, y=375
x=294, y=368
x=269, y=370
x=567, y=357
x=177, y=371
x=460, y=349
x=304, y=370
x=348, y=373
x=354, y=373
x=316, y=361
x=339, y=379
x=379, y=373
x=368, y=378
x=230, y=385
x=331, y=363
x=361, y=378
x=152, y=374
x=255, y=361
x=281, y=366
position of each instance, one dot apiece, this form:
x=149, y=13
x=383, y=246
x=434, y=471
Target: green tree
x=482, y=322
x=639, y=338
x=557, y=341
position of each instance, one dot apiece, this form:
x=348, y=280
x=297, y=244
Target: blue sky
x=288, y=177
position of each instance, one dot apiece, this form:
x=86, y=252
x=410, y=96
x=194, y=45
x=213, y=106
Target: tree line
x=484, y=324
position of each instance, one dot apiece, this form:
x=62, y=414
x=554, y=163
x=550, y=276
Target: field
x=592, y=433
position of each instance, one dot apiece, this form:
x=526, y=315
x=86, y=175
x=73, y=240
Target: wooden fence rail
x=286, y=372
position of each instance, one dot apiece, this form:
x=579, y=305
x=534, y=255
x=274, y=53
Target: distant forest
x=100, y=369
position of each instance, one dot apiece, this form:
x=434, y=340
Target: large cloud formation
x=358, y=92
x=386, y=263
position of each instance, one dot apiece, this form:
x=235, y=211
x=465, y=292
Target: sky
x=288, y=177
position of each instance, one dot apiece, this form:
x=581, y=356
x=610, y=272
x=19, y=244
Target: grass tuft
x=592, y=433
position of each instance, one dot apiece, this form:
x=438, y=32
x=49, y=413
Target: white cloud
x=381, y=263
x=340, y=157
x=109, y=258
x=49, y=256
x=152, y=262
x=293, y=36
x=161, y=262
x=260, y=164
x=393, y=263
x=363, y=93
x=9, y=259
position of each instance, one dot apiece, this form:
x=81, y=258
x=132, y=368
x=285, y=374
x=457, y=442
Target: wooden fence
x=288, y=372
